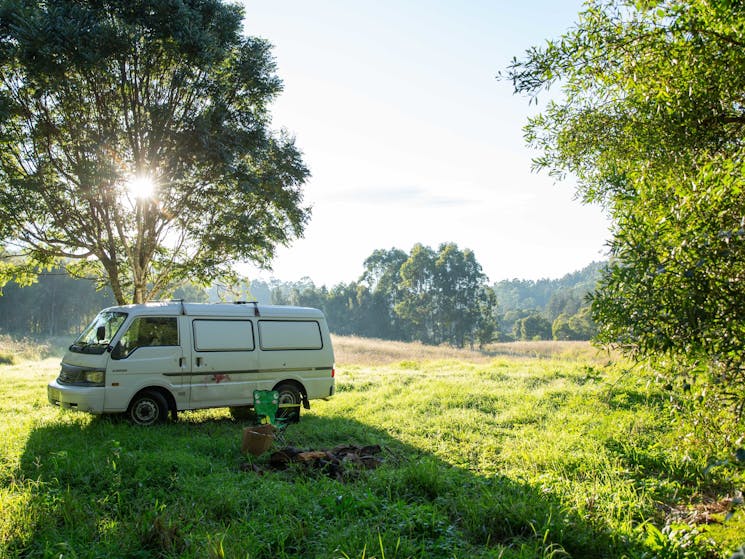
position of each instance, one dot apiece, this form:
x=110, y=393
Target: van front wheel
x=147, y=408
x=289, y=394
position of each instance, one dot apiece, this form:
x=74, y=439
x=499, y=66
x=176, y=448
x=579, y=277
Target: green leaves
x=651, y=124
x=93, y=94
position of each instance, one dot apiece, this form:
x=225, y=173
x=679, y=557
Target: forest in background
x=545, y=309
x=432, y=296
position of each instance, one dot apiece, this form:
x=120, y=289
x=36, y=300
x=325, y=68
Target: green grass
x=553, y=455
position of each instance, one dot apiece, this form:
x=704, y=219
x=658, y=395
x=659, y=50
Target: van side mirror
x=101, y=333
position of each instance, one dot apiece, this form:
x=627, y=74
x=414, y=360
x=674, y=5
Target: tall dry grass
x=369, y=351
x=14, y=350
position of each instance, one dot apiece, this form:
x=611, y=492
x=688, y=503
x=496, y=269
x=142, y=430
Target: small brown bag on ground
x=257, y=439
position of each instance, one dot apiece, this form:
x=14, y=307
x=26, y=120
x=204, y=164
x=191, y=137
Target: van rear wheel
x=147, y=408
x=289, y=394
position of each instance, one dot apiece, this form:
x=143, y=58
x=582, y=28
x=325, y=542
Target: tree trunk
x=138, y=297
x=113, y=273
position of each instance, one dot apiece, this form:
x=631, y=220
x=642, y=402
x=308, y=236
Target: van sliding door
x=224, y=362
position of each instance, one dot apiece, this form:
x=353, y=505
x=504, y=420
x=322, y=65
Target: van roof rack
x=179, y=301
x=254, y=303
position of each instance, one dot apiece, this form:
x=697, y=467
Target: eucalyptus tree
x=465, y=304
x=445, y=296
x=380, y=291
x=417, y=306
x=135, y=139
x=650, y=120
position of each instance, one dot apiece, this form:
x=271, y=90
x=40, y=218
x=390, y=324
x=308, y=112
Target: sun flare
x=141, y=187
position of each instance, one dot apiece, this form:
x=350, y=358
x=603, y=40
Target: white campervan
x=151, y=359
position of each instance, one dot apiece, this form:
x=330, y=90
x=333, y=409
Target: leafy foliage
x=55, y=305
x=532, y=327
x=651, y=124
x=445, y=296
x=94, y=95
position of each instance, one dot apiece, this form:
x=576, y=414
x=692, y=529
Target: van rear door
x=224, y=362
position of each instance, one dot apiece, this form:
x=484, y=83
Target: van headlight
x=81, y=376
x=94, y=377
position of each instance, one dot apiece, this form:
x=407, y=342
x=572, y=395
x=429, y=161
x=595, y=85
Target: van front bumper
x=82, y=398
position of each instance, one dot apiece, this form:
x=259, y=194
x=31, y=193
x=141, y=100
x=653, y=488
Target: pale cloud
x=388, y=196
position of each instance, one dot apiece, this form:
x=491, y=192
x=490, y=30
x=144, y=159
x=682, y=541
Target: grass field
x=524, y=450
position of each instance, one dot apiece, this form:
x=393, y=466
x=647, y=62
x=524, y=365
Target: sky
x=411, y=138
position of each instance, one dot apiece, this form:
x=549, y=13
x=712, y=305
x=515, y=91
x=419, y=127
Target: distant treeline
x=432, y=296
x=426, y=295
x=55, y=305
x=61, y=305
x=384, y=300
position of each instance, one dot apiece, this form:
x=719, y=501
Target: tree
x=382, y=281
x=533, y=327
x=99, y=96
x=190, y=292
x=651, y=124
x=509, y=328
x=55, y=305
x=578, y=326
x=417, y=304
x=445, y=298
x=342, y=308
x=582, y=324
x=561, y=330
x=464, y=302
x=487, y=323
x=563, y=302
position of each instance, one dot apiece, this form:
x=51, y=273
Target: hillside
x=518, y=294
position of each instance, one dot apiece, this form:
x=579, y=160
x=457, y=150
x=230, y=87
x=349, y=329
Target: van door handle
x=199, y=361
x=180, y=362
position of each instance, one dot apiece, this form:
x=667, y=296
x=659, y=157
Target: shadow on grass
x=627, y=399
x=106, y=488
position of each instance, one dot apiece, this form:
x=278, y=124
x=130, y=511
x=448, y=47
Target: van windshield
x=107, y=323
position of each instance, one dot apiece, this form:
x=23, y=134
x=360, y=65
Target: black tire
x=147, y=408
x=289, y=394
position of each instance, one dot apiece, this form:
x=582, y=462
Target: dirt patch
x=339, y=463
x=708, y=512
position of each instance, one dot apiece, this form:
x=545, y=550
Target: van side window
x=223, y=335
x=147, y=331
x=289, y=334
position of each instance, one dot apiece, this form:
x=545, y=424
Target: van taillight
x=333, y=372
